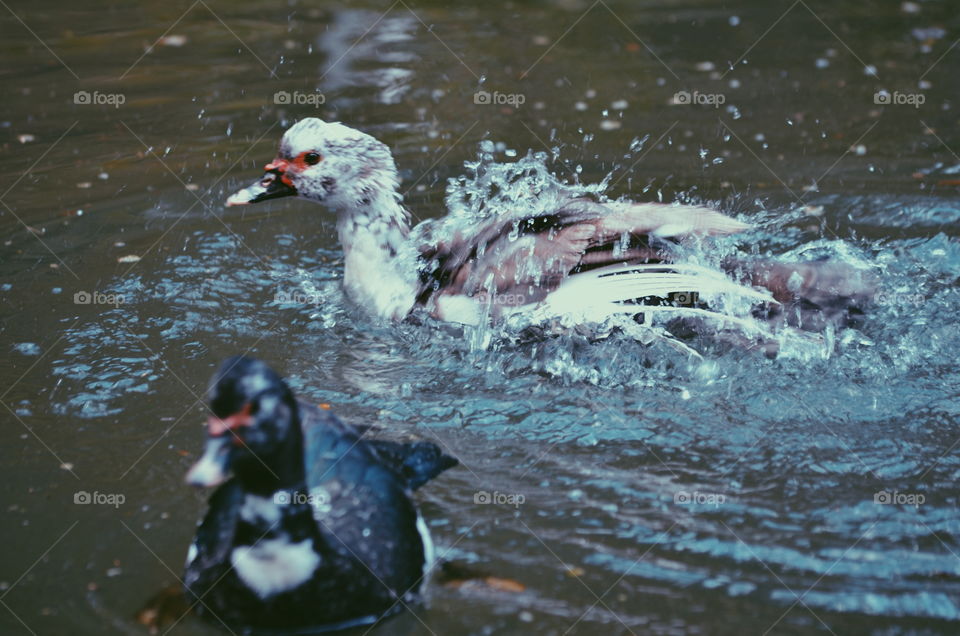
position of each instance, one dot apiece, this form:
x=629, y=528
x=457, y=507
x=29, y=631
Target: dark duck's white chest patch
x=273, y=566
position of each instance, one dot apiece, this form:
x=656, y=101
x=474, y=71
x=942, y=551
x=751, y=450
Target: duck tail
x=417, y=462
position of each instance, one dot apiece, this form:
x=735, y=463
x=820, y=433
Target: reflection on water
x=660, y=493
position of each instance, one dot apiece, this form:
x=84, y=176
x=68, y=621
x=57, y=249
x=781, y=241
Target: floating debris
x=129, y=258
x=928, y=34
x=910, y=7
x=26, y=138
x=165, y=608
x=462, y=576
x=172, y=40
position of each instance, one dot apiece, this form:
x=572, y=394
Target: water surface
x=659, y=494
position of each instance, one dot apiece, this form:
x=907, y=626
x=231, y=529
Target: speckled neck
x=381, y=221
x=374, y=239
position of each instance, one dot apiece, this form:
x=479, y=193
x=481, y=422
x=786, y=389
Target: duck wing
x=209, y=556
x=418, y=462
x=363, y=501
x=518, y=259
x=325, y=436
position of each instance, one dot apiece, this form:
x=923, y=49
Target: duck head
x=253, y=431
x=325, y=162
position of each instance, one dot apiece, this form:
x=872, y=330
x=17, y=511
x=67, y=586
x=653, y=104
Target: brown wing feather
x=528, y=257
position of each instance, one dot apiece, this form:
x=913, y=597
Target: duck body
x=322, y=533
x=498, y=263
x=550, y=254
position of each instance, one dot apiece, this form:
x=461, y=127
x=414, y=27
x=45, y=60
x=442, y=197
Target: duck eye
x=312, y=158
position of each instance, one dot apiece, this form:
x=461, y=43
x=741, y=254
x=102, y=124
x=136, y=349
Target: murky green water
x=606, y=442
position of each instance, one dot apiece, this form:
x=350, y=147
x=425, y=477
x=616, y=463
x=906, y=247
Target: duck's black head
x=254, y=431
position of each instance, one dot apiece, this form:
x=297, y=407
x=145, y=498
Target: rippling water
x=639, y=490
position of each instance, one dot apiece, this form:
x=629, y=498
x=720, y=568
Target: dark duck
x=312, y=525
